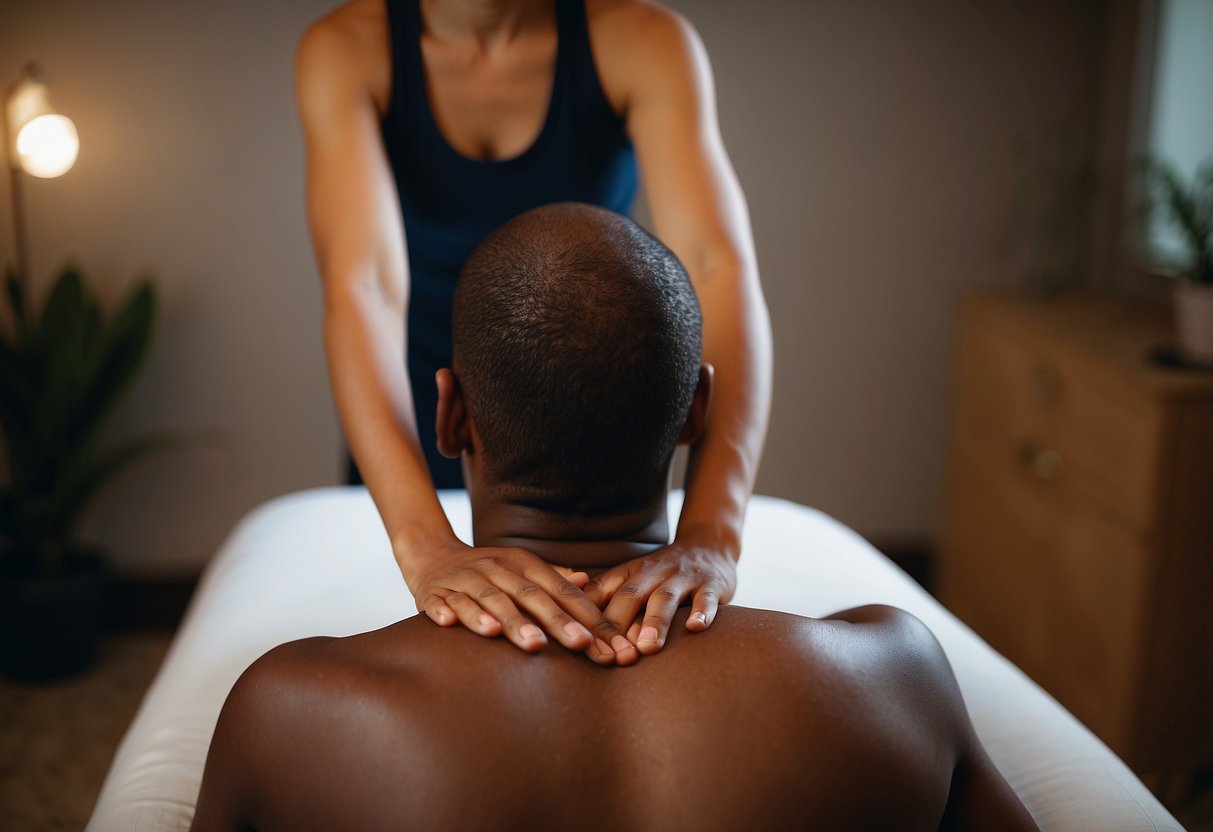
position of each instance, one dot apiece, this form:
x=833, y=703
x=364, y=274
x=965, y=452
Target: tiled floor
x=57, y=740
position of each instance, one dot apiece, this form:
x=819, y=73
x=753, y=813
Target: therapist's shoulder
x=347, y=51
x=646, y=21
x=640, y=44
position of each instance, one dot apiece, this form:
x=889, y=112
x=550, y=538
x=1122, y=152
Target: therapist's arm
x=359, y=243
x=700, y=212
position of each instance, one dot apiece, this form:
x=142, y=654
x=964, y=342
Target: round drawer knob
x=1046, y=384
x=1043, y=463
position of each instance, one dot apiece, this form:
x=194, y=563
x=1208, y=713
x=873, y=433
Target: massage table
x=318, y=563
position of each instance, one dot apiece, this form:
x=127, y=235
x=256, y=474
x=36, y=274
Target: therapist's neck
x=489, y=23
x=588, y=542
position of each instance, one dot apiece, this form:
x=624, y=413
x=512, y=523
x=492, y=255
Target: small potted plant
x=61, y=374
x=1187, y=208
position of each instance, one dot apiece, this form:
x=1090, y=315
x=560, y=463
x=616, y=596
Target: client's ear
x=452, y=425
x=697, y=416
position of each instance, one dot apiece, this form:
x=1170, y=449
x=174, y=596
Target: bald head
x=577, y=347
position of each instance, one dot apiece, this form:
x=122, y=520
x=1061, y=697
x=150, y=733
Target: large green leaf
x=17, y=408
x=60, y=378
x=80, y=484
x=62, y=308
x=7, y=518
x=16, y=302
x=57, y=352
x=14, y=383
x=1189, y=209
x=1202, y=192
x=122, y=349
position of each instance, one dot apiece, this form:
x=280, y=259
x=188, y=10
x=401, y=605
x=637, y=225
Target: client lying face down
x=576, y=373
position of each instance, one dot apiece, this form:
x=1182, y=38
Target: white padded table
x=318, y=563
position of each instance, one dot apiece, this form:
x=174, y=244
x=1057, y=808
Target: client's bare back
x=764, y=721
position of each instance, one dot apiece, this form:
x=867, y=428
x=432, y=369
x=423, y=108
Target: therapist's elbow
x=362, y=288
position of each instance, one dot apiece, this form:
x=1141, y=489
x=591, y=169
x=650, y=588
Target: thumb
x=574, y=576
x=596, y=591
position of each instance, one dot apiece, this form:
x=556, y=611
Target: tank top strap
x=411, y=73
x=570, y=27
x=585, y=88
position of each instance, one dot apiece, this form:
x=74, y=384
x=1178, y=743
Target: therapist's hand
x=511, y=591
x=641, y=596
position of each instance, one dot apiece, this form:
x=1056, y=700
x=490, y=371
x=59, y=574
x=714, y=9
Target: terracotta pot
x=1194, y=322
x=50, y=625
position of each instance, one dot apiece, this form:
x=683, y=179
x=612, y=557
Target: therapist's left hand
x=657, y=584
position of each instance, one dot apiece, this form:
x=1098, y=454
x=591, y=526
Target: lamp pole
x=38, y=141
x=14, y=178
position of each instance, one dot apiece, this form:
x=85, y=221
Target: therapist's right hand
x=513, y=592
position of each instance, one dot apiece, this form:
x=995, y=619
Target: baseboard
x=146, y=602
x=915, y=557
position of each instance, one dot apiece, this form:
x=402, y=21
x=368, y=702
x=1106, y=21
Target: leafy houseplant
x=1188, y=209
x=61, y=374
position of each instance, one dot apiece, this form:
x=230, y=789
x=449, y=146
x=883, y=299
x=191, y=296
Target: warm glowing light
x=47, y=145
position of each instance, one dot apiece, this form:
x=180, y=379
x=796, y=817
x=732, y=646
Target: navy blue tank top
x=449, y=201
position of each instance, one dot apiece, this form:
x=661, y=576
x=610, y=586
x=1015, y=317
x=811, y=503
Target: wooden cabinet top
x=1115, y=337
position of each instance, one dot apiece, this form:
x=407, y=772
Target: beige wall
x=874, y=141
x=875, y=144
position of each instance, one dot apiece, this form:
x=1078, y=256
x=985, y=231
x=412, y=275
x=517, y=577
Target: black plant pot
x=49, y=625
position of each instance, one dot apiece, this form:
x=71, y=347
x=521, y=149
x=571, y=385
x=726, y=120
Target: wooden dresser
x=1078, y=522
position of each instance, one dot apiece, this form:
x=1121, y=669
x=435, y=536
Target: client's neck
x=584, y=542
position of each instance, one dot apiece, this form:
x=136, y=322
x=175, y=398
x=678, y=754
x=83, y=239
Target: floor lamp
x=39, y=142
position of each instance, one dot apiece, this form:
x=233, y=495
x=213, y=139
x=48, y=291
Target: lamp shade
x=47, y=146
x=44, y=143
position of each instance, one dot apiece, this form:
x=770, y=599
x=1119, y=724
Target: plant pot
x=1194, y=322
x=50, y=624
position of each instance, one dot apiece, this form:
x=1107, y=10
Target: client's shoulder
x=891, y=645
x=895, y=632
x=339, y=678
x=290, y=674
x=898, y=642
x=325, y=661
x=876, y=631
x=878, y=654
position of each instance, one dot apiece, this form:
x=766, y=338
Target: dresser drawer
x=1052, y=582
x=1077, y=530
x=1046, y=419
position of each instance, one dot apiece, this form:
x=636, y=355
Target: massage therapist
x=427, y=124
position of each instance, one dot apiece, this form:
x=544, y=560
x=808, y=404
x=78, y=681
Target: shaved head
x=577, y=341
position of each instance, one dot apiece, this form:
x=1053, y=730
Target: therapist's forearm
x=364, y=341
x=724, y=463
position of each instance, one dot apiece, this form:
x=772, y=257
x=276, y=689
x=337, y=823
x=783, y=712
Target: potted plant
x=1187, y=208
x=61, y=374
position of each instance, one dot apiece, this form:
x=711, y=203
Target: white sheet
x=318, y=563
